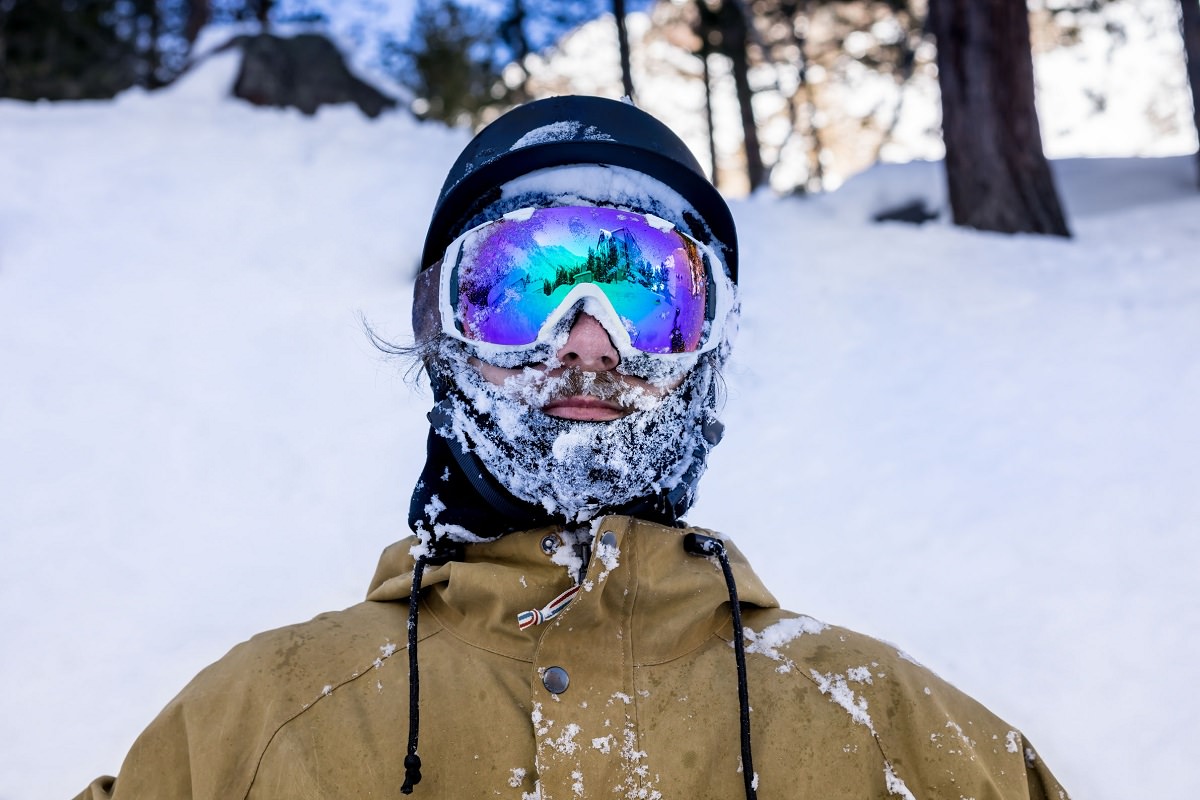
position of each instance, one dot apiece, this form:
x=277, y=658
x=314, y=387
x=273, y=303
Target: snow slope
x=984, y=448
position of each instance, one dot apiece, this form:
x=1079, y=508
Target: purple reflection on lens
x=513, y=274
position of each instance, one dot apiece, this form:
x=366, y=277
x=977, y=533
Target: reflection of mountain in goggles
x=507, y=283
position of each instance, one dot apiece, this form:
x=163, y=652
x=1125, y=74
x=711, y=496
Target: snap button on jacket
x=320, y=709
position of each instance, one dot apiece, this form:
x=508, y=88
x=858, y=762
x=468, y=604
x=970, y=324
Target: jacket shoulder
x=209, y=739
x=291, y=661
x=934, y=740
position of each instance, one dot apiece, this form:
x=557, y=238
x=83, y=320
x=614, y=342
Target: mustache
x=574, y=382
x=537, y=389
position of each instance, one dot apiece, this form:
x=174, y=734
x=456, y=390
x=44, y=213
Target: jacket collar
x=648, y=588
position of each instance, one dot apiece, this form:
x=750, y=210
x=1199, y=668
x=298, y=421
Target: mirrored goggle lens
x=511, y=275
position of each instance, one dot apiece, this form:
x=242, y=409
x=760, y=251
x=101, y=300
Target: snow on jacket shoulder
x=649, y=709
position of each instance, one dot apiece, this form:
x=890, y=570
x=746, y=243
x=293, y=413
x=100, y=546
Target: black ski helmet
x=574, y=129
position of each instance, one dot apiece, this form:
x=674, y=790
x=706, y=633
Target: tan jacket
x=320, y=710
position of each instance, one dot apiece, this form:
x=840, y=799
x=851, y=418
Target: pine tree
x=998, y=176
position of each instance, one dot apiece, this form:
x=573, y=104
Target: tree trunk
x=998, y=176
x=816, y=171
x=623, y=46
x=1191, y=46
x=512, y=33
x=4, y=90
x=732, y=23
x=263, y=14
x=705, y=52
x=198, y=13
x=155, y=54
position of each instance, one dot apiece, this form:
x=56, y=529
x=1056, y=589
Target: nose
x=588, y=346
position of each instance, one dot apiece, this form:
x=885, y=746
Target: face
x=603, y=393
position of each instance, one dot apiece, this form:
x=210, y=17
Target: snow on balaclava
x=576, y=470
x=572, y=471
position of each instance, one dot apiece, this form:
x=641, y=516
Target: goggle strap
x=427, y=307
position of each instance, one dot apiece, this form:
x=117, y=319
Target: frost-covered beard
x=578, y=470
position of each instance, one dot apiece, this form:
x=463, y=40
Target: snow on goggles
x=509, y=282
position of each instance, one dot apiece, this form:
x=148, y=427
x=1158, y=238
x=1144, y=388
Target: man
x=554, y=629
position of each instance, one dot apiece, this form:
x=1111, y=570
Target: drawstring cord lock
x=708, y=546
x=699, y=545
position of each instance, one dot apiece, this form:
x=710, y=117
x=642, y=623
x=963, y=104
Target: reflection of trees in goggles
x=512, y=278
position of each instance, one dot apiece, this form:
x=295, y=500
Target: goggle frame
x=720, y=301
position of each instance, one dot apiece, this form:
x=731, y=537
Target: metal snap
x=556, y=680
x=609, y=539
x=549, y=544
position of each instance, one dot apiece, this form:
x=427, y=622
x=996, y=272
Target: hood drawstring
x=694, y=543
x=699, y=545
x=441, y=552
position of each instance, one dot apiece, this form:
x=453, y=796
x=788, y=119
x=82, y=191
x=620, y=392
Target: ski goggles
x=509, y=283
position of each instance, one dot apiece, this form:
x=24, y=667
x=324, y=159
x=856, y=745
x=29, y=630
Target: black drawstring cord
x=699, y=545
x=412, y=761
x=440, y=553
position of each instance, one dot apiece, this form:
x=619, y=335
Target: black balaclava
x=496, y=463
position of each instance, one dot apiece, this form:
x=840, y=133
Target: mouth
x=585, y=407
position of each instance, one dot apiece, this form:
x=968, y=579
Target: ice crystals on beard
x=574, y=469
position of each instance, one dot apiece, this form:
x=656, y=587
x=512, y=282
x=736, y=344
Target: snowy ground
x=984, y=448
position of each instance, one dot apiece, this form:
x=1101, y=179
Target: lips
x=585, y=407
